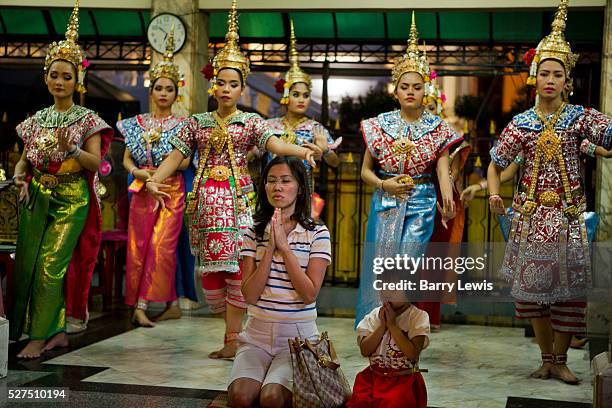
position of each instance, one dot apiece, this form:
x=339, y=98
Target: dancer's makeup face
x=410, y=90
x=550, y=79
x=299, y=98
x=163, y=93
x=61, y=79
x=229, y=88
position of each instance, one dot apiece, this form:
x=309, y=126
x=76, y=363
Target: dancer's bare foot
x=577, y=343
x=171, y=312
x=543, y=372
x=32, y=350
x=140, y=318
x=563, y=373
x=228, y=351
x=59, y=340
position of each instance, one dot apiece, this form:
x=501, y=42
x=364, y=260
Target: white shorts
x=263, y=354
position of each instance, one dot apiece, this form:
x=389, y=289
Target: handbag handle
x=322, y=360
x=296, y=344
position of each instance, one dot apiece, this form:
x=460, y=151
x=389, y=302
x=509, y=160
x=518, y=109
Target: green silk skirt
x=50, y=224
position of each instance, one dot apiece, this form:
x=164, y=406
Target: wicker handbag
x=318, y=381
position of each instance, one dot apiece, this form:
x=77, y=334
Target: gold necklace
x=217, y=140
x=549, y=148
x=53, y=120
x=154, y=132
x=220, y=136
x=289, y=136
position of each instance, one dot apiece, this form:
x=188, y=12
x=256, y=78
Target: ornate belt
x=222, y=173
x=551, y=199
x=406, y=179
x=397, y=373
x=50, y=181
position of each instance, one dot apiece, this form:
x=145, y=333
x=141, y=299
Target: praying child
x=392, y=336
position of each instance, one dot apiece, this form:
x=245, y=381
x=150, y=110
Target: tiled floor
x=469, y=366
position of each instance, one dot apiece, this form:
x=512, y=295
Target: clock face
x=159, y=29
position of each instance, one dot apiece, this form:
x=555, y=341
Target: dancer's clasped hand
x=395, y=186
x=496, y=204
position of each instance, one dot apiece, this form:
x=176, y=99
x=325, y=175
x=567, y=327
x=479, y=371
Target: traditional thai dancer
x=60, y=222
x=218, y=206
x=295, y=127
x=547, y=256
x=150, y=270
x=403, y=148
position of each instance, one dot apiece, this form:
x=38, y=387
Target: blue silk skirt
x=394, y=227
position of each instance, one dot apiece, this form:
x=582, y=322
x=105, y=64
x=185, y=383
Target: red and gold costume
x=218, y=207
x=547, y=256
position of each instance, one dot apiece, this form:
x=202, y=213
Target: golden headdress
x=69, y=50
x=554, y=46
x=166, y=68
x=412, y=60
x=433, y=93
x=230, y=55
x=295, y=74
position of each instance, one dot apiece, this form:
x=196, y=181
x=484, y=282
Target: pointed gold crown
x=166, y=68
x=433, y=93
x=554, y=46
x=412, y=60
x=230, y=55
x=295, y=74
x=69, y=50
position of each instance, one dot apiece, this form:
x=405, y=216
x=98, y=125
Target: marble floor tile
x=17, y=378
x=469, y=366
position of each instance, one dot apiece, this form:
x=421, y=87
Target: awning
x=389, y=27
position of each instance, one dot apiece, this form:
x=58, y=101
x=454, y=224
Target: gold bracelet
x=382, y=186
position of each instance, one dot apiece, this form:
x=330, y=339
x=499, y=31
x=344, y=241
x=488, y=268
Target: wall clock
x=159, y=29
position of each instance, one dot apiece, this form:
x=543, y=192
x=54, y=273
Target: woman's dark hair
x=239, y=74
x=264, y=210
x=157, y=79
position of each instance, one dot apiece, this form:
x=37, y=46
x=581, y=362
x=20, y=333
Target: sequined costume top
x=304, y=132
x=220, y=216
x=547, y=256
x=401, y=147
x=148, y=138
x=38, y=134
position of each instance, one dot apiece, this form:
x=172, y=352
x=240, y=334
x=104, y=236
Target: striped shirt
x=279, y=301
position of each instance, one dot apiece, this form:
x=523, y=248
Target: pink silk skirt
x=150, y=269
